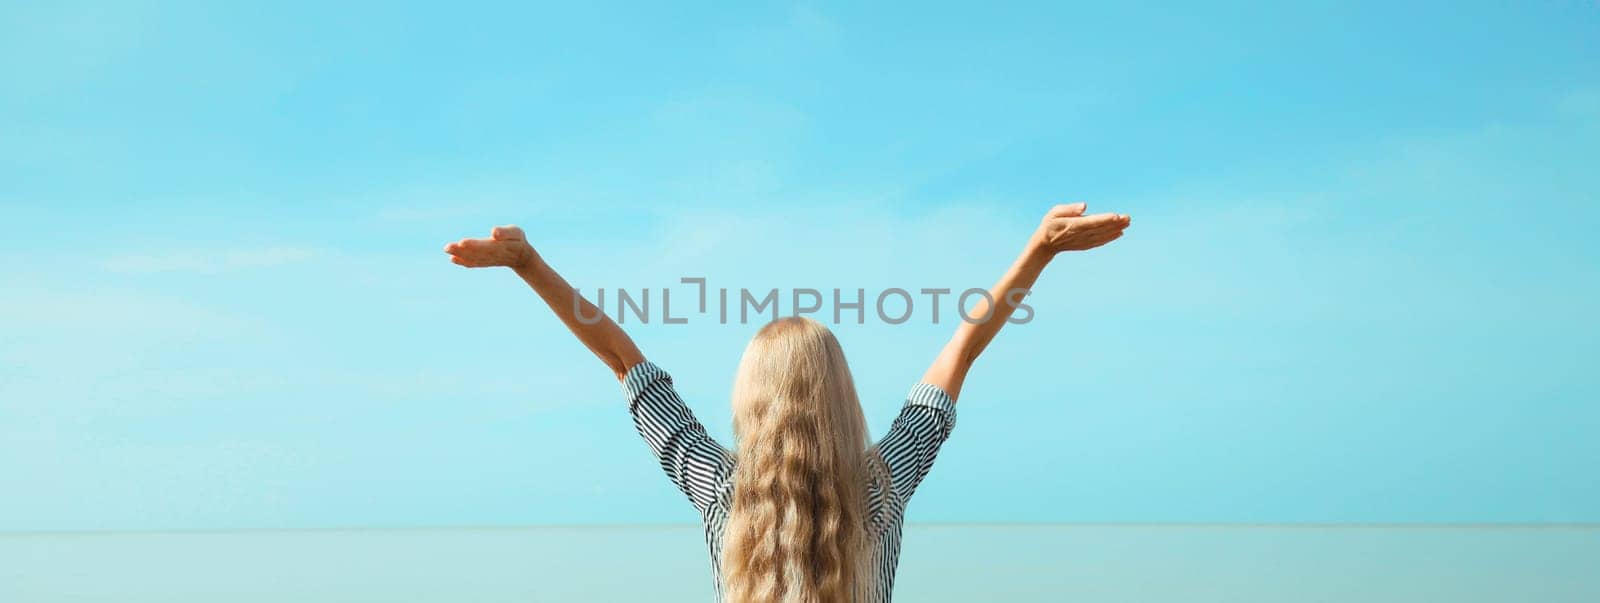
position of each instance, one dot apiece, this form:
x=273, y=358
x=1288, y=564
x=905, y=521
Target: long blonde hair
x=797, y=527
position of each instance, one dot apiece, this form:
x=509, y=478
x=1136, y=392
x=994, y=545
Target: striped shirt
x=703, y=469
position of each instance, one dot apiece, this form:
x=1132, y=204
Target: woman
x=805, y=509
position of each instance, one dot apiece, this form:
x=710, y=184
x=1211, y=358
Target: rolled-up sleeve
x=695, y=462
x=915, y=437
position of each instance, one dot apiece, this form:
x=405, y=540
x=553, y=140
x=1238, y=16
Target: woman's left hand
x=506, y=246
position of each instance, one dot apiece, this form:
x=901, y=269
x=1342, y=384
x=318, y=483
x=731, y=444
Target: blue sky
x=1359, y=287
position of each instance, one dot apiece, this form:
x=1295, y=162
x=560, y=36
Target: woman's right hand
x=506, y=246
x=1065, y=228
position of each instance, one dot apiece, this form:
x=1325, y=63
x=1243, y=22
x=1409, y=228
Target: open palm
x=506, y=246
x=1065, y=228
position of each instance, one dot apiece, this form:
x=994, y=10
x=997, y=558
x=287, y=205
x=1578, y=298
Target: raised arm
x=508, y=246
x=1065, y=228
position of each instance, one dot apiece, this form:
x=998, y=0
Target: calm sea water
x=941, y=563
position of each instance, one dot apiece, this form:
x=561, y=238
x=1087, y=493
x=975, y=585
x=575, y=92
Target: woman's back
x=704, y=470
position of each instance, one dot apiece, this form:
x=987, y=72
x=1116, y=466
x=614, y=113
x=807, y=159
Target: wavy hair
x=796, y=527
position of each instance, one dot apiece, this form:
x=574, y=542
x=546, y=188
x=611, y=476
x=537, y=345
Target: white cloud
x=1581, y=104
x=208, y=261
